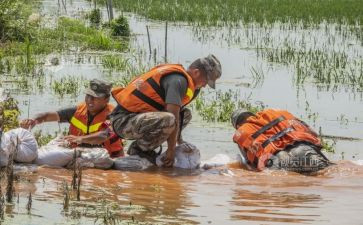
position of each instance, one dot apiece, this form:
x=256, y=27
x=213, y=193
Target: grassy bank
x=230, y=12
x=68, y=33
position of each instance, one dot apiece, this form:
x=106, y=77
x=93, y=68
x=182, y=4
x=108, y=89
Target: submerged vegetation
x=220, y=107
x=69, y=85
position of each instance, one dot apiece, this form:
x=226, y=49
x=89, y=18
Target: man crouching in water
x=275, y=139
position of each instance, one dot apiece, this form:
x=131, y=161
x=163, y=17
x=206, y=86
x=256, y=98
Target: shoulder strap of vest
x=277, y=136
x=148, y=100
x=268, y=126
x=157, y=88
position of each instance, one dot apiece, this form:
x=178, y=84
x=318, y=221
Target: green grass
x=68, y=33
x=220, y=107
x=69, y=85
x=222, y=12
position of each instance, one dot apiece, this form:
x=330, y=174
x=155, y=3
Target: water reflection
x=273, y=206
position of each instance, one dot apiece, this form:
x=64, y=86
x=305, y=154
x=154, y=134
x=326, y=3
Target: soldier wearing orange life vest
x=276, y=139
x=88, y=120
x=151, y=109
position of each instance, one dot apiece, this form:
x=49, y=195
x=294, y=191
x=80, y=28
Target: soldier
x=86, y=120
x=151, y=109
x=276, y=139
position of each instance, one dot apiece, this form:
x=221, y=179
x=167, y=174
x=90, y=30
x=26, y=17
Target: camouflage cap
x=213, y=69
x=98, y=88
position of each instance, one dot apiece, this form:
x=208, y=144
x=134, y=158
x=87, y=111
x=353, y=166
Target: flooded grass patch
x=219, y=108
x=232, y=12
x=69, y=85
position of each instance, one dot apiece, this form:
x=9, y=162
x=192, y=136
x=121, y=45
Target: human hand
x=168, y=159
x=74, y=139
x=28, y=123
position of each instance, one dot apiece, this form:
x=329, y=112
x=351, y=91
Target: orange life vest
x=79, y=126
x=270, y=131
x=145, y=94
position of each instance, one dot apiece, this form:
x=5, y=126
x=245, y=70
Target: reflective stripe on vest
x=268, y=126
x=83, y=127
x=190, y=93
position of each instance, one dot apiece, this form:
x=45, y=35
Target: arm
x=93, y=139
x=170, y=152
x=38, y=119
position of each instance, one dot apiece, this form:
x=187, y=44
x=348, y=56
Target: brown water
x=162, y=196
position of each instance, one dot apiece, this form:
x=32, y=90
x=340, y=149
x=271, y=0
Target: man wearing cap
x=151, y=109
x=86, y=120
x=276, y=139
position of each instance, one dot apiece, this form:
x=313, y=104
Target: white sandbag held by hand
x=22, y=142
x=187, y=156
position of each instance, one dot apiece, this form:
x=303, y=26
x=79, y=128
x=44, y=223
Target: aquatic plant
x=29, y=203
x=220, y=107
x=69, y=85
x=66, y=196
x=232, y=12
x=95, y=17
x=115, y=62
x=43, y=139
x=328, y=145
x=120, y=26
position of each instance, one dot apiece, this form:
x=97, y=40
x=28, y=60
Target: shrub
x=95, y=17
x=120, y=27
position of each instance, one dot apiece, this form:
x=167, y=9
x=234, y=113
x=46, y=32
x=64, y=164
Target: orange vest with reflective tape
x=79, y=126
x=270, y=131
x=145, y=94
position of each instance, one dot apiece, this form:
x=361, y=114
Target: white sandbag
x=22, y=142
x=57, y=153
x=187, y=156
x=131, y=163
x=216, y=161
x=53, y=154
x=95, y=158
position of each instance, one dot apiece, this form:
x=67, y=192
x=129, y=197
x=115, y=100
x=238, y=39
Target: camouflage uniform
x=149, y=130
x=302, y=158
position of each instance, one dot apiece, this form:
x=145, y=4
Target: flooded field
x=315, y=72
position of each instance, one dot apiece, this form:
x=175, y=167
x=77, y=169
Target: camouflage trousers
x=302, y=158
x=150, y=129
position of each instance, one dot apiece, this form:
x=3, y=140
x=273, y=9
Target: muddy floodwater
x=226, y=195
x=216, y=196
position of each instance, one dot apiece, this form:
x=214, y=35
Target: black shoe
x=150, y=155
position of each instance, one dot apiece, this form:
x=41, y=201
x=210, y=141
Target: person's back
x=276, y=139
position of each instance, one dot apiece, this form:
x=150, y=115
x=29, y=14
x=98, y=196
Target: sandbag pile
x=19, y=142
x=56, y=153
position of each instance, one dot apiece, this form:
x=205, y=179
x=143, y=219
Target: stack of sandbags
x=19, y=142
x=57, y=153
